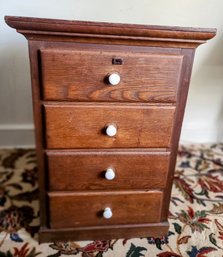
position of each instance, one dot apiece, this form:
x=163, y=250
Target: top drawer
x=82, y=75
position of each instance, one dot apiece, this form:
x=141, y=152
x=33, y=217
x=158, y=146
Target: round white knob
x=114, y=79
x=111, y=130
x=110, y=174
x=107, y=214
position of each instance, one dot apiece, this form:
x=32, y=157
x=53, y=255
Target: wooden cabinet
x=108, y=105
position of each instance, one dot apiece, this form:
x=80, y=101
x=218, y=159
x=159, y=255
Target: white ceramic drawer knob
x=111, y=130
x=110, y=174
x=107, y=214
x=114, y=79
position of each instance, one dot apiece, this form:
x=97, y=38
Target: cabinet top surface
x=32, y=28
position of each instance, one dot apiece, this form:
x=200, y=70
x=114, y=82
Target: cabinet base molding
x=104, y=233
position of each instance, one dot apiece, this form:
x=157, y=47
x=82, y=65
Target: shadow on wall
x=205, y=110
x=214, y=56
x=220, y=129
x=15, y=89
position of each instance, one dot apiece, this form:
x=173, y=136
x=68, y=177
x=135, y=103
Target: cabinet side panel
x=37, y=113
x=179, y=114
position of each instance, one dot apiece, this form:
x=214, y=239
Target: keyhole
x=117, y=61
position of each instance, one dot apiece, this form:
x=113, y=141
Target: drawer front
x=88, y=170
x=76, y=210
x=83, y=76
x=87, y=126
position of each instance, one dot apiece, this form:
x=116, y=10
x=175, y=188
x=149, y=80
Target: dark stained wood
x=82, y=126
x=70, y=74
x=104, y=232
x=109, y=33
x=69, y=210
x=155, y=75
x=39, y=130
x=85, y=170
x=180, y=108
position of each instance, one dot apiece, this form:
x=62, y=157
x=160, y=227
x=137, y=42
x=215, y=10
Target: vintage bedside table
x=108, y=105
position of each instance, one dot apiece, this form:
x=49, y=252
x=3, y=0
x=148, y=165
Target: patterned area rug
x=196, y=211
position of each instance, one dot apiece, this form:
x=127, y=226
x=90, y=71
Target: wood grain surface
x=68, y=74
x=82, y=126
x=109, y=33
x=67, y=210
x=85, y=170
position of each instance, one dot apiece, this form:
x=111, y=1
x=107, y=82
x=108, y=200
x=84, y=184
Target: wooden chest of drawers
x=108, y=107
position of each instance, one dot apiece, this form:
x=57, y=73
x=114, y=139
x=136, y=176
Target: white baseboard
x=201, y=134
x=16, y=135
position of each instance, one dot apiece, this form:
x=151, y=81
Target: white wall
x=204, y=113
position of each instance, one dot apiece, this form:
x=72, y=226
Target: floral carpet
x=196, y=211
